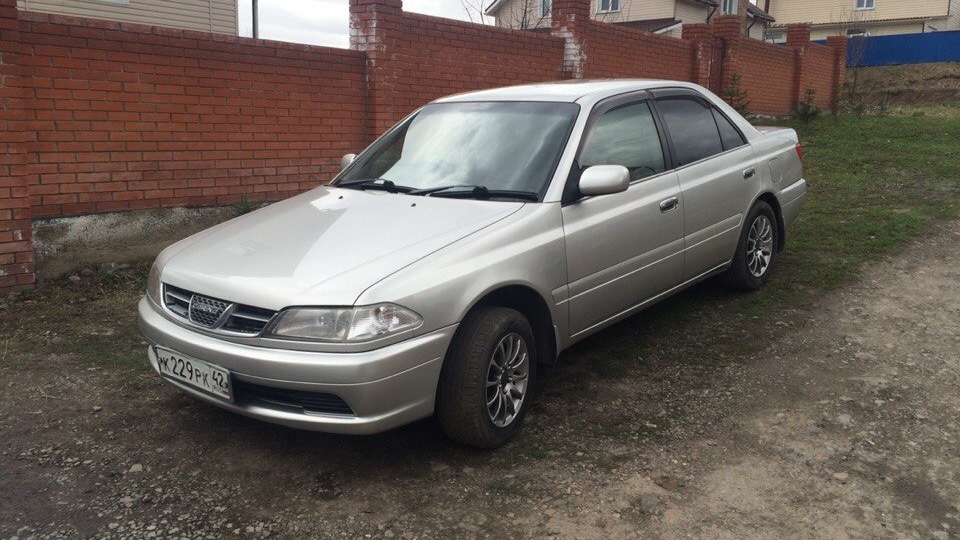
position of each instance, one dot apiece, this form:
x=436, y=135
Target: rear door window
x=729, y=135
x=692, y=128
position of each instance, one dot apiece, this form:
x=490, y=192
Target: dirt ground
x=907, y=83
x=840, y=419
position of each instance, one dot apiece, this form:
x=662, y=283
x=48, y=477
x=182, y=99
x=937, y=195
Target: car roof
x=565, y=91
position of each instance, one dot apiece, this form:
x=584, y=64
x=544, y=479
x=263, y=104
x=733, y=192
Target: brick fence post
x=16, y=249
x=728, y=28
x=568, y=21
x=839, y=46
x=798, y=39
x=701, y=37
x=370, y=22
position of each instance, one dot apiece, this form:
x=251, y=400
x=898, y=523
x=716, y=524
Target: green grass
x=875, y=183
x=93, y=319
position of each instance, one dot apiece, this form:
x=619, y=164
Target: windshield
x=497, y=145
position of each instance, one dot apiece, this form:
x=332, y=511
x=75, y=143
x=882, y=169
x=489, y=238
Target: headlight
x=345, y=324
x=153, y=285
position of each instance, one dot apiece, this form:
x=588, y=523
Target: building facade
x=215, y=16
x=659, y=16
x=863, y=17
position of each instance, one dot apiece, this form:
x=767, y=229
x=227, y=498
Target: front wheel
x=487, y=378
x=756, y=250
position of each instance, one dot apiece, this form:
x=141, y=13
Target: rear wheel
x=756, y=250
x=487, y=378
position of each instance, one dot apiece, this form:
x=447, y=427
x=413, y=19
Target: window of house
x=609, y=5
x=864, y=4
x=545, y=8
x=625, y=135
x=692, y=128
x=729, y=6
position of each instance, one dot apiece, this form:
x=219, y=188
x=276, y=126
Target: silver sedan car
x=468, y=245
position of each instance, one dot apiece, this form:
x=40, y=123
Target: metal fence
x=904, y=49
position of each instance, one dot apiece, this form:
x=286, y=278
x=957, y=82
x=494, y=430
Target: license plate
x=195, y=372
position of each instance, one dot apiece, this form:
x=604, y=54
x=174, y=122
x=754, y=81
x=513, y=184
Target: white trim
x=669, y=28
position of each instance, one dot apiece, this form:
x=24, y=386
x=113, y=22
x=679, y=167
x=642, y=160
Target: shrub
x=736, y=95
x=806, y=111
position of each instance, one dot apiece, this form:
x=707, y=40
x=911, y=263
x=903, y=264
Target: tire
x=464, y=394
x=751, y=268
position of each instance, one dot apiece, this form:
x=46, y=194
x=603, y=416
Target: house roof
x=651, y=25
x=758, y=13
x=864, y=23
x=493, y=7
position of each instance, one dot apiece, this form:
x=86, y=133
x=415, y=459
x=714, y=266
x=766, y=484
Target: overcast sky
x=324, y=22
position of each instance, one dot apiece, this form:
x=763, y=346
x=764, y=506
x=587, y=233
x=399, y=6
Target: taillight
x=799, y=151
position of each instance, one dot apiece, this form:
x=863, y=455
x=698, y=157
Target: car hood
x=324, y=247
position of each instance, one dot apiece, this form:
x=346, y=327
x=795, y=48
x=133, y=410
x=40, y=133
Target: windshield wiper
x=377, y=184
x=476, y=192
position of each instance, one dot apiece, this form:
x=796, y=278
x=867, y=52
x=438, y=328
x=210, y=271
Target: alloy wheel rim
x=507, y=379
x=760, y=246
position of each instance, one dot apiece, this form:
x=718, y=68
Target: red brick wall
x=767, y=72
x=414, y=58
x=16, y=251
x=617, y=51
x=125, y=116
x=816, y=71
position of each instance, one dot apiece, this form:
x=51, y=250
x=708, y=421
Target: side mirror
x=604, y=180
x=346, y=160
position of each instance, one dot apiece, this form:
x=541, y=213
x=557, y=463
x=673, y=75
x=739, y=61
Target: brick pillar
x=701, y=36
x=727, y=25
x=570, y=19
x=370, y=22
x=839, y=46
x=798, y=35
x=798, y=39
x=16, y=249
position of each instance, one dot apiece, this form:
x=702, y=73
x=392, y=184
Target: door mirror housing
x=604, y=180
x=346, y=160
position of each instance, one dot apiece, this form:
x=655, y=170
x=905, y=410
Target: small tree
x=806, y=111
x=736, y=95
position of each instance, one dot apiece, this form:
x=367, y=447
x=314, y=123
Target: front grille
x=215, y=314
x=206, y=311
x=296, y=401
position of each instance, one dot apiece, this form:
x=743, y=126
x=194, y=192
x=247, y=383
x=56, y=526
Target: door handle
x=667, y=205
x=749, y=173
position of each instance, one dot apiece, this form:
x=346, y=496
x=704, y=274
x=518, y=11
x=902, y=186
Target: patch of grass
x=93, y=318
x=875, y=183
x=245, y=205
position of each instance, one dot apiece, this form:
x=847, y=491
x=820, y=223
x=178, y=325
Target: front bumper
x=385, y=387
